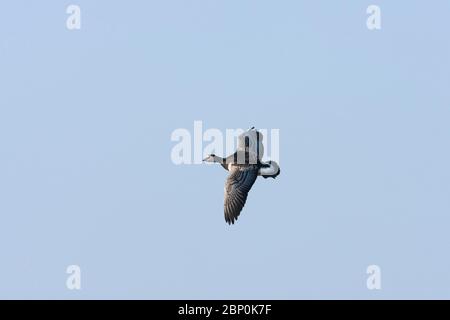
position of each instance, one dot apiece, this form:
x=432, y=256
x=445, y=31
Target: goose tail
x=269, y=169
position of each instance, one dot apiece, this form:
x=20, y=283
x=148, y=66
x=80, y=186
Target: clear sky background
x=86, y=176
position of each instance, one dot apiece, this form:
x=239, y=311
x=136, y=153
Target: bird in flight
x=244, y=166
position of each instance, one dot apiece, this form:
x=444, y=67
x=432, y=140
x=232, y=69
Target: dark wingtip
x=230, y=220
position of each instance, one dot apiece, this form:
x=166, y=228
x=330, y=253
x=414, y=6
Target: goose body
x=244, y=166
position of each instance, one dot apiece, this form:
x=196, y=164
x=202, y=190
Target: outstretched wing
x=238, y=184
x=251, y=141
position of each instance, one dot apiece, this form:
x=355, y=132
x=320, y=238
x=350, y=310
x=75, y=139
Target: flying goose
x=244, y=166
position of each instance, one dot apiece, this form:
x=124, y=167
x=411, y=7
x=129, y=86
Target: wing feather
x=238, y=184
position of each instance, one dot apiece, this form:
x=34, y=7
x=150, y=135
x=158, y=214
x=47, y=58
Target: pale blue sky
x=85, y=170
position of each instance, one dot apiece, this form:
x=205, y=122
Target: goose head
x=211, y=158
